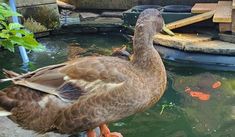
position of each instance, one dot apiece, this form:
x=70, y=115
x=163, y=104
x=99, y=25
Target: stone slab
x=10, y=129
x=212, y=47
x=104, y=21
x=41, y=17
x=103, y=4
x=88, y=15
x=196, y=43
x=24, y=3
x=112, y=14
x=227, y=37
x=179, y=40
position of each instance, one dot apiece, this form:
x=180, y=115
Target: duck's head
x=150, y=20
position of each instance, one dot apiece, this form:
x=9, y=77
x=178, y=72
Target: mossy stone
x=103, y=4
x=41, y=16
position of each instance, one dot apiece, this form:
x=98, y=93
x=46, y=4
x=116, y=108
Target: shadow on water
x=188, y=117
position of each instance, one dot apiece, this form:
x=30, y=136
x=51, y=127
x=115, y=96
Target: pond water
x=197, y=103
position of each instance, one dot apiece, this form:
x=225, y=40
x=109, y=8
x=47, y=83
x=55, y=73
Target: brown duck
x=87, y=92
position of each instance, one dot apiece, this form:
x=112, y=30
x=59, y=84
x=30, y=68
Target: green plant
x=33, y=25
x=14, y=34
x=164, y=106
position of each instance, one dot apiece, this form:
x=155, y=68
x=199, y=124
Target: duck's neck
x=145, y=56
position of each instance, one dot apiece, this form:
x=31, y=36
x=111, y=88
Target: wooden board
x=233, y=21
x=223, y=27
x=223, y=12
x=203, y=7
x=190, y=20
x=233, y=6
x=179, y=39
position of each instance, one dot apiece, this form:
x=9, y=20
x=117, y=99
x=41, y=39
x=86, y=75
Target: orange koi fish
x=216, y=85
x=197, y=94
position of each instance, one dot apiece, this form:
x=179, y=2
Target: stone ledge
x=40, y=18
x=179, y=40
x=103, y=4
x=212, y=47
x=24, y=3
x=195, y=43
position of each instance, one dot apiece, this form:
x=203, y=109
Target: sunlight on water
x=191, y=115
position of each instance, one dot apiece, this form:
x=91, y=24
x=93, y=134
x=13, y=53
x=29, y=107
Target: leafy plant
x=14, y=34
x=33, y=25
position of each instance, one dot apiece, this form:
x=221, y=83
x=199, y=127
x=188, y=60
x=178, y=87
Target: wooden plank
x=233, y=4
x=190, y=20
x=203, y=7
x=223, y=27
x=233, y=20
x=223, y=12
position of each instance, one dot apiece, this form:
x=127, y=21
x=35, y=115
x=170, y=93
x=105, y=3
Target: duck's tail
x=13, y=76
x=10, y=75
x=4, y=112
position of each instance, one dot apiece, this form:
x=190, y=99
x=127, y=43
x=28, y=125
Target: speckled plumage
x=86, y=92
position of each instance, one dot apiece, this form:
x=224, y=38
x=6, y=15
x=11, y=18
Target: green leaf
x=7, y=44
x=2, y=17
x=16, y=40
x=21, y=31
x=8, y=13
x=14, y=34
x=4, y=6
x=4, y=24
x=4, y=35
x=29, y=40
x=13, y=26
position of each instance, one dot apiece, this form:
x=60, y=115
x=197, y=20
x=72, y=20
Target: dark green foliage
x=14, y=34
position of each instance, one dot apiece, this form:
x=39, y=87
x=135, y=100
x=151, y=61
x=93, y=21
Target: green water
x=188, y=117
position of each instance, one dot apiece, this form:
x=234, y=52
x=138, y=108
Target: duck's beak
x=168, y=31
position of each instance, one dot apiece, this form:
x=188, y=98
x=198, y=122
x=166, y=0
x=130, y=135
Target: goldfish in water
x=197, y=94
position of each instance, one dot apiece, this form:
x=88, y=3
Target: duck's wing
x=73, y=79
x=45, y=79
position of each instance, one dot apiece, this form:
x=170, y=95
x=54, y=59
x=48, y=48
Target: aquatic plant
x=164, y=106
x=14, y=34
